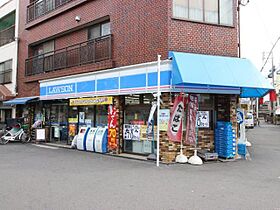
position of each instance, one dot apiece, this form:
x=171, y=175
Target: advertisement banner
x=202, y=119
x=191, y=119
x=175, y=122
x=112, y=127
x=164, y=116
x=91, y=101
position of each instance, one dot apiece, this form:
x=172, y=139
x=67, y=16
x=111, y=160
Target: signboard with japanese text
x=91, y=101
x=127, y=132
x=131, y=132
x=175, y=123
x=112, y=127
x=202, y=120
x=136, y=132
x=191, y=119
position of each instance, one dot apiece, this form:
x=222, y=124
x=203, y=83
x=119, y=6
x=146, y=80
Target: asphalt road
x=33, y=177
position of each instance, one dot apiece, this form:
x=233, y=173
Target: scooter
x=17, y=133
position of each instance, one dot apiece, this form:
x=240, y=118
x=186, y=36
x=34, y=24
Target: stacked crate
x=224, y=140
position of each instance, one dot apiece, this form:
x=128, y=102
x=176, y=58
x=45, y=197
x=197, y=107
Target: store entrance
x=58, y=120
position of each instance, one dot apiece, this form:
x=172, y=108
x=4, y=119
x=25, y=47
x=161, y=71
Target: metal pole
x=257, y=108
x=158, y=108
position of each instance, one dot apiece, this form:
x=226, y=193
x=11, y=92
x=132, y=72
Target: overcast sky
x=260, y=28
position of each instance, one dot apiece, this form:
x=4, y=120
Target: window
x=7, y=29
x=6, y=72
x=98, y=30
x=226, y=13
x=43, y=48
x=196, y=10
x=209, y=11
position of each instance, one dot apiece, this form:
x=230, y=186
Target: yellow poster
x=91, y=101
x=73, y=120
x=143, y=132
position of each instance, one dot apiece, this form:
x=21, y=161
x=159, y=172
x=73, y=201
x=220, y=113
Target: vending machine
x=101, y=140
x=81, y=138
x=91, y=139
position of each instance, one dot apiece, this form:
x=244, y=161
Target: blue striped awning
x=16, y=101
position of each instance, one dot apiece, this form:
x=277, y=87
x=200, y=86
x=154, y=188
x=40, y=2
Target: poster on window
x=127, y=132
x=175, y=122
x=164, y=116
x=191, y=119
x=202, y=119
x=81, y=117
x=112, y=127
x=136, y=132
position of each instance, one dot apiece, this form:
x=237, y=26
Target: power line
x=269, y=54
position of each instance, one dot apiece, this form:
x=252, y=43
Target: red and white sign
x=191, y=119
x=175, y=130
x=112, y=127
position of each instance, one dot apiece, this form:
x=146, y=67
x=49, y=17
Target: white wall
x=9, y=51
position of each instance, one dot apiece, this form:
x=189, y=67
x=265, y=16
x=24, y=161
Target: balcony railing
x=92, y=51
x=7, y=35
x=39, y=8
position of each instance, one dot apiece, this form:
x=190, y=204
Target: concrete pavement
x=43, y=178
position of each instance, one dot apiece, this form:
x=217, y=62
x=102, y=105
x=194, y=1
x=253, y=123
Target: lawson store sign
x=140, y=78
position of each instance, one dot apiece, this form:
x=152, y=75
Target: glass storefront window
x=86, y=116
x=59, y=122
x=101, y=116
x=136, y=115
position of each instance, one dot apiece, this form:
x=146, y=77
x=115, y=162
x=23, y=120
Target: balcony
x=7, y=35
x=39, y=8
x=92, y=51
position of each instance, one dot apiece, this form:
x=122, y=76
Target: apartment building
x=72, y=51
x=8, y=55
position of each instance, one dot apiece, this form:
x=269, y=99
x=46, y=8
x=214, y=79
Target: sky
x=260, y=28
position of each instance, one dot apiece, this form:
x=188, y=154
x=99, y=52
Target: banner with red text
x=191, y=119
x=175, y=123
x=112, y=127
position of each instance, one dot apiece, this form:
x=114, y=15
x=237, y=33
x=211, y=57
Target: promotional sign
x=240, y=116
x=175, y=123
x=164, y=116
x=73, y=120
x=242, y=129
x=40, y=134
x=81, y=117
x=152, y=111
x=72, y=129
x=143, y=132
x=136, y=132
x=191, y=119
x=91, y=101
x=112, y=127
x=131, y=132
x=56, y=132
x=202, y=119
x=127, y=132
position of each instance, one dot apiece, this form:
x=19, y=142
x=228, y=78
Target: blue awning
x=217, y=74
x=19, y=100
